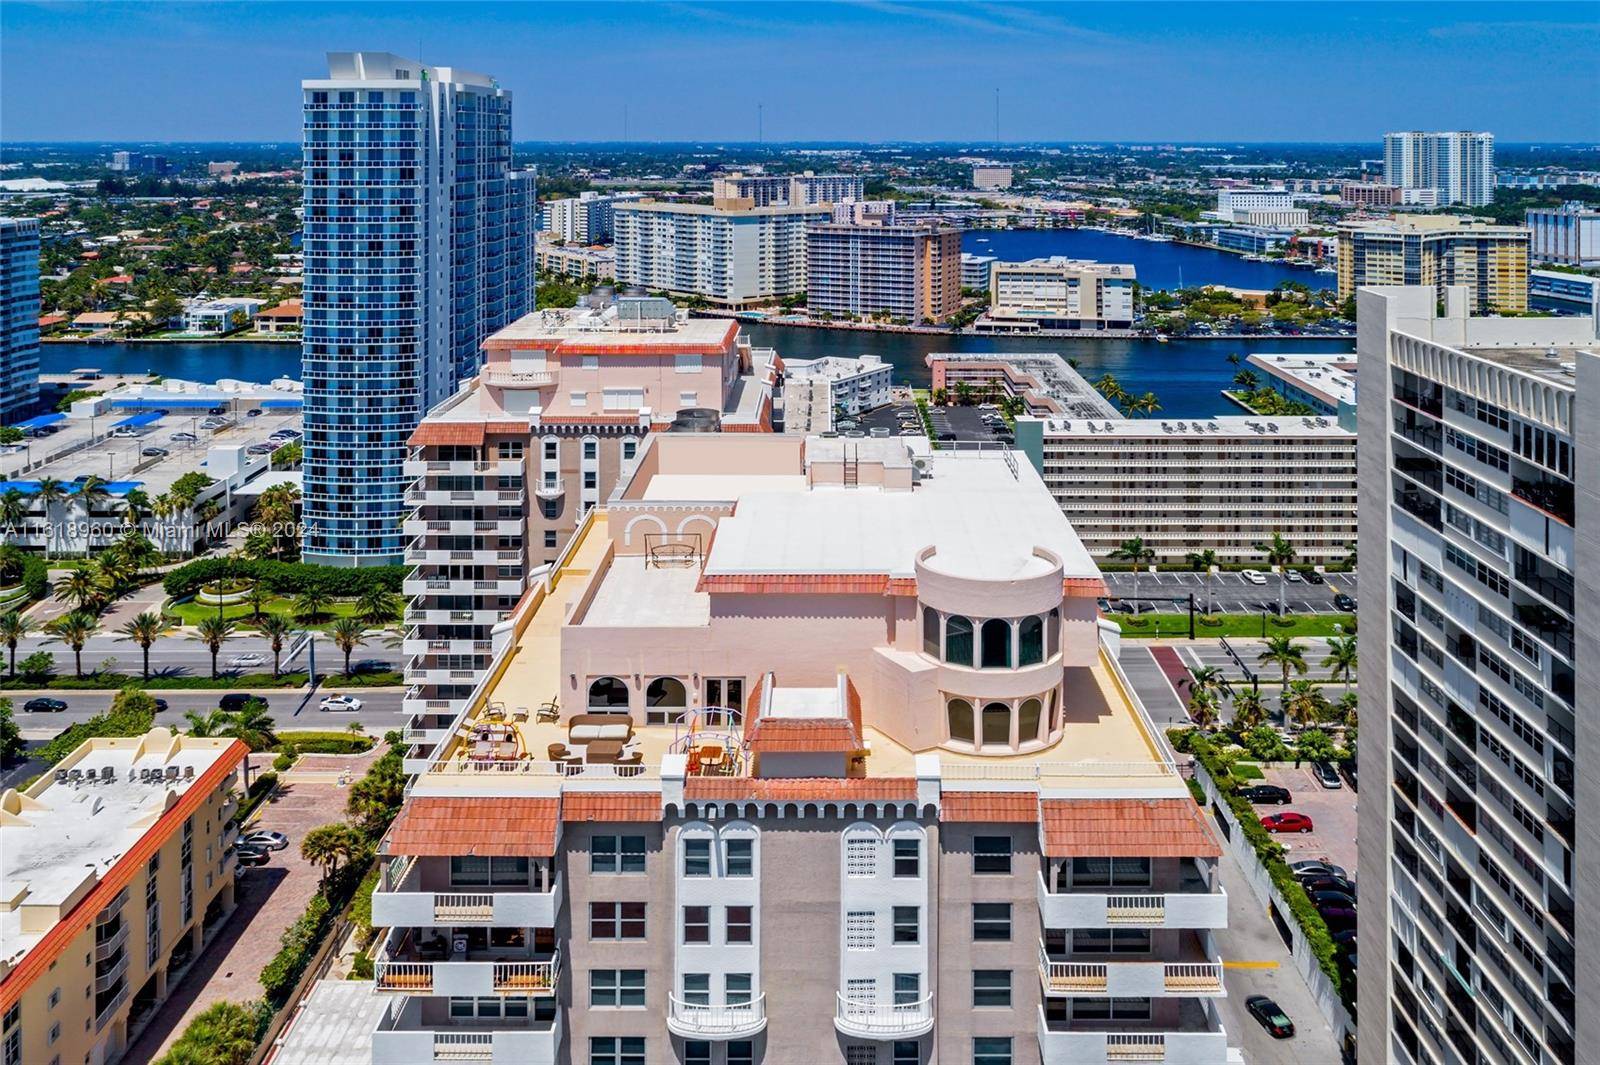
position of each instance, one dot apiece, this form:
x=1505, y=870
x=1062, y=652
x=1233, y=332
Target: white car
x=251, y=659
x=1292, y=576
x=340, y=704
x=1254, y=576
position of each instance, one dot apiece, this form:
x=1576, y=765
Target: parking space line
x=1250, y=965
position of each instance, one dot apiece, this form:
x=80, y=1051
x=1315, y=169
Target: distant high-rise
x=736, y=191
x=911, y=272
x=1458, y=167
x=730, y=258
x=1438, y=250
x=19, y=317
x=418, y=244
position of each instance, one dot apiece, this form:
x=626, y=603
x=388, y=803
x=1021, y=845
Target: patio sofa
x=585, y=728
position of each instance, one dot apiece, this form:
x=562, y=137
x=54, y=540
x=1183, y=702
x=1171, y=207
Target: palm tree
x=13, y=508
x=1205, y=561
x=213, y=632
x=1345, y=709
x=210, y=723
x=377, y=607
x=82, y=587
x=1285, y=653
x=310, y=603
x=50, y=493
x=13, y=629
x=330, y=846
x=941, y=397
x=227, y=1033
x=1303, y=703
x=145, y=629
x=258, y=596
x=1203, y=709
x=253, y=725
x=1248, y=710
x=74, y=630
x=1342, y=659
x=135, y=505
x=276, y=629
x=1144, y=405
x=1247, y=380
x=348, y=634
x=1136, y=552
x=260, y=544
x=1280, y=553
x=963, y=394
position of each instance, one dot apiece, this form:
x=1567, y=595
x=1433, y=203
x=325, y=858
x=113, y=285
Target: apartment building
x=806, y=750
x=1059, y=293
x=866, y=212
x=991, y=177
x=418, y=244
x=577, y=263
x=1456, y=167
x=730, y=258
x=1325, y=383
x=19, y=318
x=737, y=191
x=1438, y=250
x=115, y=868
x=1569, y=234
x=834, y=385
x=1045, y=383
x=975, y=270
x=506, y=469
x=582, y=219
x=910, y=272
x=1478, y=533
x=1258, y=207
x=1369, y=194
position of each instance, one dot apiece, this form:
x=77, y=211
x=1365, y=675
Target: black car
x=44, y=706
x=1338, y=916
x=1333, y=898
x=1313, y=577
x=1345, y=939
x=1272, y=1018
x=161, y=706
x=1344, y=602
x=1328, y=883
x=1265, y=794
x=251, y=855
x=234, y=702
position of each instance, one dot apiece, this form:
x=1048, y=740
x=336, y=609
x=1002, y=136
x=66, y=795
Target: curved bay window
x=1030, y=641
x=1028, y=718
x=959, y=712
x=991, y=643
x=958, y=640
x=1001, y=726
x=997, y=725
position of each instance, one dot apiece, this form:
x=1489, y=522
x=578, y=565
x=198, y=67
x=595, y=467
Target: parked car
x=1343, y=916
x=1326, y=775
x=1332, y=898
x=251, y=855
x=263, y=839
x=155, y=452
x=244, y=660
x=1267, y=794
x=43, y=706
x=253, y=412
x=1290, y=822
x=233, y=702
x=1311, y=867
x=1313, y=577
x=1271, y=1017
x=1327, y=882
x=1254, y=576
x=184, y=438
x=1345, y=938
x=1344, y=602
x=161, y=706
x=1292, y=576
x=346, y=704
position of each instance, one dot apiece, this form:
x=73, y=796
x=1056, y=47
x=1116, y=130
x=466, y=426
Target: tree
x=223, y=1034
x=1247, y=380
x=348, y=634
x=1314, y=745
x=1344, y=711
x=941, y=398
x=11, y=557
x=1286, y=654
x=1248, y=710
x=1205, y=561
x=1342, y=659
x=253, y=725
x=13, y=629
x=331, y=846
x=1206, y=679
x=376, y=798
x=51, y=493
x=1203, y=709
x=210, y=723
x=258, y=596
x=309, y=605
x=213, y=632
x=1138, y=554
x=260, y=544
x=83, y=588
x=13, y=508
x=1279, y=553
x=74, y=630
x=1303, y=704
x=145, y=629
x=377, y=606
x=276, y=629
x=11, y=741
x=963, y=394
x=1144, y=405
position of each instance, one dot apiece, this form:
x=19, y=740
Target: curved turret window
x=958, y=640
x=960, y=714
x=996, y=639
x=1028, y=715
x=1030, y=641
x=997, y=725
x=930, y=631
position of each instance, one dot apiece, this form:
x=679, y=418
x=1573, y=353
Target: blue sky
x=870, y=71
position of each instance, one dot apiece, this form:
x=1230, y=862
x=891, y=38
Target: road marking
x=1250, y=965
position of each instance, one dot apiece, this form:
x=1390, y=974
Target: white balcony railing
x=1097, y=1048
x=1089, y=909
x=695, y=1021
x=873, y=1020
x=1129, y=979
x=404, y=906
x=461, y=978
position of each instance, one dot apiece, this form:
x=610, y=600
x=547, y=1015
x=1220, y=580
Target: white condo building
x=1259, y=207
x=1059, y=293
x=1457, y=166
x=1569, y=234
x=582, y=219
x=730, y=258
x=832, y=386
x=786, y=190
x=1478, y=512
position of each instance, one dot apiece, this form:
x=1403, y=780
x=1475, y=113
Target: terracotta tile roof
x=801, y=789
x=1095, y=586
x=1126, y=828
x=437, y=825
x=1019, y=807
x=611, y=806
x=796, y=735
x=286, y=309
x=470, y=433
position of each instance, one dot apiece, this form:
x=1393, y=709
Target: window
x=991, y=1050
x=907, y=857
x=996, y=644
x=907, y=988
x=739, y=920
x=686, y=364
x=736, y=989
x=860, y=931
x=578, y=399
x=991, y=922
x=591, y=450
x=958, y=640
x=608, y=694
x=630, y=448
x=906, y=925
x=1029, y=715
x=616, y=854
x=688, y=399
x=991, y=854
x=1111, y=941
x=960, y=715
x=616, y=920
x=552, y=448
x=1030, y=641
x=1111, y=872
x=550, y=538
x=991, y=987
x=697, y=989
x=697, y=924
x=616, y=988
x=620, y=1050
x=997, y=725
x=474, y=871
x=623, y=398
x=930, y=631
x=589, y=362
x=861, y=856
x=861, y=1054
x=905, y=1052
x=738, y=857
x=741, y=1052
x=696, y=1052
x=697, y=857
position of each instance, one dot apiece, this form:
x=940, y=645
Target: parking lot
x=1332, y=812
x=950, y=424
x=1233, y=594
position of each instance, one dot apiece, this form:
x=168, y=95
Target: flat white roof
x=635, y=593
x=674, y=487
x=1228, y=426
x=1330, y=376
x=334, y=1025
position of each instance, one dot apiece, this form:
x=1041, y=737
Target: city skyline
x=896, y=72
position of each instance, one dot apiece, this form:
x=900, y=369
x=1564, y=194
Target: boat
x=1161, y=338
x=981, y=240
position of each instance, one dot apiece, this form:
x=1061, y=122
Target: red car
x=1286, y=823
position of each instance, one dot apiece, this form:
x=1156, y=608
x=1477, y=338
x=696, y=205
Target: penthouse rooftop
x=646, y=323
x=1224, y=427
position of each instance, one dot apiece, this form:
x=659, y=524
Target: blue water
x=244, y=360
x=1158, y=265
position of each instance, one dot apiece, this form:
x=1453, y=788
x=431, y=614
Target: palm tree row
x=1142, y=406
x=252, y=724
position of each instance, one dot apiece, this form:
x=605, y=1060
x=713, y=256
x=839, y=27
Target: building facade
x=1060, y=293
x=582, y=219
x=1438, y=250
x=975, y=270
x=1569, y=234
x=1325, y=383
x=1369, y=194
x=991, y=177
x=1259, y=207
x=1458, y=167
x=1478, y=515
x=910, y=272
x=577, y=263
x=418, y=244
x=117, y=868
x=19, y=318
x=729, y=258
x=744, y=191
x=842, y=386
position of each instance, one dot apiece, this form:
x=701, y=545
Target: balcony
x=419, y=1030
x=501, y=376
x=550, y=488
x=873, y=1020
x=1129, y=979
x=405, y=898
x=695, y=1021
x=105, y=948
x=1201, y=1040
x=464, y=978
x=1193, y=904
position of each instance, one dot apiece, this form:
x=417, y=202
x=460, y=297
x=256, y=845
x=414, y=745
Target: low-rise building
x=739, y=191
x=1369, y=194
x=1325, y=383
x=1254, y=240
x=1438, y=250
x=729, y=258
x=116, y=866
x=1576, y=290
x=991, y=177
x=975, y=270
x=576, y=262
x=286, y=317
x=1045, y=383
x=1569, y=234
x=839, y=386
x=910, y=272
x=220, y=315
x=1060, y=293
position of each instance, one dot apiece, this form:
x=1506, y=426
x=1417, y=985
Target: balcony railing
x=401, y=903
x=874, y=1020
x=1206, y=1045
x=1203, y=907
x=1128, y=979
x=104, y=948
x=695, y=1021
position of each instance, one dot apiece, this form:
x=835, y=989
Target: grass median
x=1240, y=625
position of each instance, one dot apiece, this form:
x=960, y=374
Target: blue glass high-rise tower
x=19, y=318
x=418, y=244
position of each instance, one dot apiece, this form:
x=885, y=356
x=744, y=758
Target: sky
x=872, y=71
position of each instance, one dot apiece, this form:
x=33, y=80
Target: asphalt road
x=290, y=708
x=1233, y=594
x=180, y=656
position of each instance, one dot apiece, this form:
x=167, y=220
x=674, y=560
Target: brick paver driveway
x=1333, y=811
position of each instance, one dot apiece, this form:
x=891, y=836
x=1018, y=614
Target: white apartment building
x=575, y=261
x=1259, y=207
x=866, y=212
x=1458, y=167
x=975, y=270
x=991, y=177
x=582, y=219
x=1569, y=234
x=1059, y=293
x=741, y=191
x=729, y=258
x=1325, y=383
x=1480, y=471
x=845, y=387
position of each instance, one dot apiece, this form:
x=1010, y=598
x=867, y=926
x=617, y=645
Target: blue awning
x=29, y=488
x=137, y=421
x=168, y=403
x=40, y=421
x=282, y=403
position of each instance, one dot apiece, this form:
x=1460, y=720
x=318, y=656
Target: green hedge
x=324, y=743
x=35, y=576
x=299, y=943
x=285, y=578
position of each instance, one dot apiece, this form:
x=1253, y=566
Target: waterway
x=1158, y=264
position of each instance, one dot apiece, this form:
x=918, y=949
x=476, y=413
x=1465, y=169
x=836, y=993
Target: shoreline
x=267, y=338
x=749, y=318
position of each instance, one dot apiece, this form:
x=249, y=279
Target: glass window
x=696, y=1052
x=620, y=1050
x=996, y=644
x=930, y=631
x=997, y=725
x=958, y=640
x=697, y=857
x=616, y=920
x=697, y=924
x=608, y=693
x=960, y=715
x=1054, y=644
x=907, y=988
x=906, y=1052
x=741, y=1052
x=991, y=987
x=616, y=854
x=991, y=922
x=469, y=871
x=736, y=989
x=1028, y=716
x=697, y=989
x=739, y=857
x=739, y=924
x=1030, y=641
x=616, y=987
x=907, y=926
x=991, y=1050
x=907, y=856
x=991, y=854
x=666, y=691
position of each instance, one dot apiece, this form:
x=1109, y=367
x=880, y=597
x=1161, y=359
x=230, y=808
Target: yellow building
x=1438, y=250
x=113, y=867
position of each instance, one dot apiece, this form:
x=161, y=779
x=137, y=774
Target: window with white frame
x=623, y=398
x=578, y=399
x=686, y=363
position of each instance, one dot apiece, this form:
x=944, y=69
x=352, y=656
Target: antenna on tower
x=760, y=128
x=624, y=123
x=997, y=116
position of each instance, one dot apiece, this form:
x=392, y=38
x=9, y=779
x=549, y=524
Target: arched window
x=1055, y=633
x=958, y=640
x=997, y=725
x=930, y=631
x=1028, y=715
x=1030, y=641
x=996, y=644
x=959, y=712
x=664, y=697
x=608, y=695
